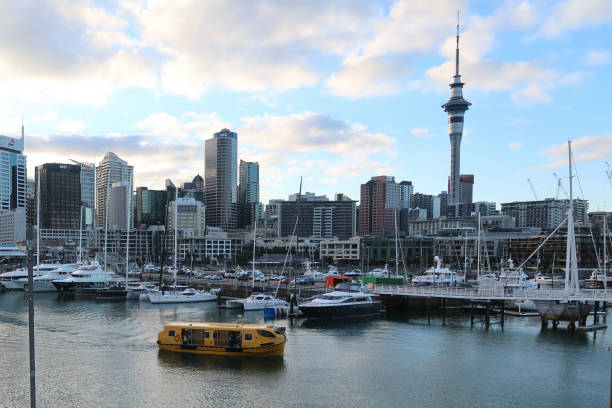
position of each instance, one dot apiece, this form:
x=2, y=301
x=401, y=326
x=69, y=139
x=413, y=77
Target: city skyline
x=336, y=103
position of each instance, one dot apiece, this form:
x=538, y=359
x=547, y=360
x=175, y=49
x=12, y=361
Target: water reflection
x=246, y=364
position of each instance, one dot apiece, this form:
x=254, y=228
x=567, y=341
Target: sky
x=335, y=91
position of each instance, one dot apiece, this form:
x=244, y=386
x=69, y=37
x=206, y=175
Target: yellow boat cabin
x=223, y=338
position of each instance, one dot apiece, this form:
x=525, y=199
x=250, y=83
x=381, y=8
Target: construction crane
x=559, y=187
x=532, y=189
x=608, y=172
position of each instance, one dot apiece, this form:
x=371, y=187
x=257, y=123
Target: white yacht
x=189, y=295
x=438, y=275
x=512, y=277
x=87, y=279
x=261, y=301
x=543, y=279
x=380, y=272
x=346, y=300
x=11, y=280
x=44, y=283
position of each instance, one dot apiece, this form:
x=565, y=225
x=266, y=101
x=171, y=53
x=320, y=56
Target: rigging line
x=588, y=221
x=286, y=256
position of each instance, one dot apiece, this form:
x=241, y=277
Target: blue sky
x=335, y=91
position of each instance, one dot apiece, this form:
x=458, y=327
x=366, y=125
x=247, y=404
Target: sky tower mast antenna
x=457, y=50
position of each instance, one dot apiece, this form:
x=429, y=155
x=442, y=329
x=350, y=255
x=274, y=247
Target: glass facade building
x=150, y=206
x=220, y=171
x=248, y=193
x=60, y=195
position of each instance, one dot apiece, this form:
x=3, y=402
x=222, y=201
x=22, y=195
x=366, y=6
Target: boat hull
x=111, y=294
x=250, y=305
x=234, y=304
x=263, y=351
x=159, y=298
x=567, y=312
x=11, y=285
x=330, y=312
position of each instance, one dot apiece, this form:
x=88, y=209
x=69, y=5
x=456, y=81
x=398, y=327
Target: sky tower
x=456, y=107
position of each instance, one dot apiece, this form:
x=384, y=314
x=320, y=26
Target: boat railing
x=499, y=292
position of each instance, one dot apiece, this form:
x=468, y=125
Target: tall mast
x=175, y=233
x=478, y=267
x=396, y=244
x=605, y=256
x=254, y=237
x=106, y=217
x=38, y=221
x=571, y=264
x=127, y=244
x=81, y=233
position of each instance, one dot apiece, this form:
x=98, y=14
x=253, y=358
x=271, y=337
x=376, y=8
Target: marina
x=83, y=345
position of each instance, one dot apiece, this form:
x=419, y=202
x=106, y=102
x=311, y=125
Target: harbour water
x=91, y=353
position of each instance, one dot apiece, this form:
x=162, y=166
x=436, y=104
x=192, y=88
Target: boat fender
x=177, y=338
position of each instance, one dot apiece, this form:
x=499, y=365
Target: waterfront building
x=307, y=196
x=545, y=214
x=348, y=250
x=110, y=170
x=192, y=189
x=456, y=107
x=220, y=179
x=379, y=205
x=424, y=201
x=319, y=219
x=60, y=195
x=150, y=207
x=271, y=214
x=248, y=193
x=12, y=226
x=406, y=190
x=467, y=188
x=13, y=187
x=118, y=206
x=190, y=214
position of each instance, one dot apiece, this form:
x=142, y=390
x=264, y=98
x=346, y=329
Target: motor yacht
x=438, y=275
x=596, y=280
x=11, y=280
x=87, y=279
x=189, y=295
x=347, y=300
x=44, y=283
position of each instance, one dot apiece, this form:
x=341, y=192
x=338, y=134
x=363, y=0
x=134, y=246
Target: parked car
x=285, y=281
x=216, y=277
x=305, y=281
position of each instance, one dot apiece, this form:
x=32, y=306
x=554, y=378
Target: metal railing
x=492, y=293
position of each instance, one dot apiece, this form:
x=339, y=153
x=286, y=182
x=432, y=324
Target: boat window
x=171, y=333
x=196, y=337
x=265, y=333
x=248, y=336
x=347, y=300
x=220, y=337
x=206, y=335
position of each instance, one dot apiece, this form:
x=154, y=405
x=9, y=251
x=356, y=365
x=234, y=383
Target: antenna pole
x=457, y=50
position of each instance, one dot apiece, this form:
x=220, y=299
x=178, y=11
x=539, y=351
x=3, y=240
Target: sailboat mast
x=81, y=234
x=175, y=233
x=396, y=245
x=254, y=237
x=605, y=256
x=478, y=253
x=38, y=222
x=106, y=219
x=127, y=244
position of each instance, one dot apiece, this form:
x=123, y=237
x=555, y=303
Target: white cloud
x=598, y=57
x=530, y=94
x=515, y=145
x=419, y=132
x=367, y=76
x=585, y=149
x=576, y=14
x=71, y=126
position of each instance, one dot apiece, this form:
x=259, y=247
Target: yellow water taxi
x=223, y=338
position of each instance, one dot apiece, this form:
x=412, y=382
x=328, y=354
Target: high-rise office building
x=545, y=214
x=60, y=195
x=13, y=189
x=248, y=193
x=119, y=204
x=467, y=188
x=191, y=220
x=150, y=207
x=111, y=170
x=456, y=107
x=318, y=219
x=220, y=179
x=423, y=201
x=406, y=190
x=13, y=174
x=379, y=206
